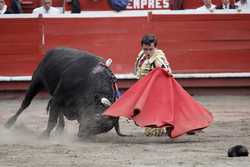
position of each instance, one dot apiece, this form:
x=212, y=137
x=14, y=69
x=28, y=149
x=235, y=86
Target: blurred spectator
x=225, y=4
x=208, y=6
x=3, y=8
x=75, y=6
x=243, y=5
x=118, y=5
x=46, y=8
x=16, y=6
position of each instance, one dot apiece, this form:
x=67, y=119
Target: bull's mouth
x=92, y=132
x=101, y=126
x=85, y=135
x=94, y=124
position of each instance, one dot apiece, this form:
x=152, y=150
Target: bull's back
x=58, y=60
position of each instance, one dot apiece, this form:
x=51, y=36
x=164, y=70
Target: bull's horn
x=105, y=101
x=108, y=62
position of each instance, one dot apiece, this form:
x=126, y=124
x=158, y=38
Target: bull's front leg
x=52, y=121
x=60, y=124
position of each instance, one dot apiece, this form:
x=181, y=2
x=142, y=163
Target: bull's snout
x=94, y=125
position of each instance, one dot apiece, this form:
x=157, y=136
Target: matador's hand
x=169, y=71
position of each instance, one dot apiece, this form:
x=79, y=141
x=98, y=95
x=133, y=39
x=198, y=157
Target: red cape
x=158, y=100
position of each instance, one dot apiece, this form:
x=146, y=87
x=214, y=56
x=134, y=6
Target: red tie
x=142, y=61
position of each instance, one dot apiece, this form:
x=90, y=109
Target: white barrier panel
x=132, y=76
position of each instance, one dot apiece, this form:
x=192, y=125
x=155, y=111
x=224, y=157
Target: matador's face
x=148, y=49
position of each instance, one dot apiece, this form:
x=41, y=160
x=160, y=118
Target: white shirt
x=204, y=8
x=2, y=11
x=245, y=6
x=41, y=10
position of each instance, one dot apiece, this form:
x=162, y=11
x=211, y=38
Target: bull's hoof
x=84, y=135
x=59, y=131
x=44, y=135
x=10, y=122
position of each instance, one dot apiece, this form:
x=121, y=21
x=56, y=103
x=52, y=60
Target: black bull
x=77, y=82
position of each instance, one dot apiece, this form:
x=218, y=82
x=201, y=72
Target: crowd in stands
x=16, y=7
x=243, y=4
x=225, y=4
x=47, y=8
x=207, y=5
x=3, y=8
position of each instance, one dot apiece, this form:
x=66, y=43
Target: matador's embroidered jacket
x=144, y=64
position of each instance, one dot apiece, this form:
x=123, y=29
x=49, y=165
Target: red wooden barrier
x=205, y=42
x=117, y=38
x=20, y=46
x=193, y=43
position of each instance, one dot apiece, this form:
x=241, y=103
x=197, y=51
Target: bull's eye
x=97, y=100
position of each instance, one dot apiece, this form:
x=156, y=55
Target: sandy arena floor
x=22, y=147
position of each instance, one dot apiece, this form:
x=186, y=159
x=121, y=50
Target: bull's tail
x=32, y=91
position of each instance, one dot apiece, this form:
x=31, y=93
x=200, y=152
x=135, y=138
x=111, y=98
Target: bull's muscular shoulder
x=59, y=62
x=61, y=58
x=70, y=53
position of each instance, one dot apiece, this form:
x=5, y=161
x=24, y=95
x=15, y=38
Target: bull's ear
x=105, y=101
